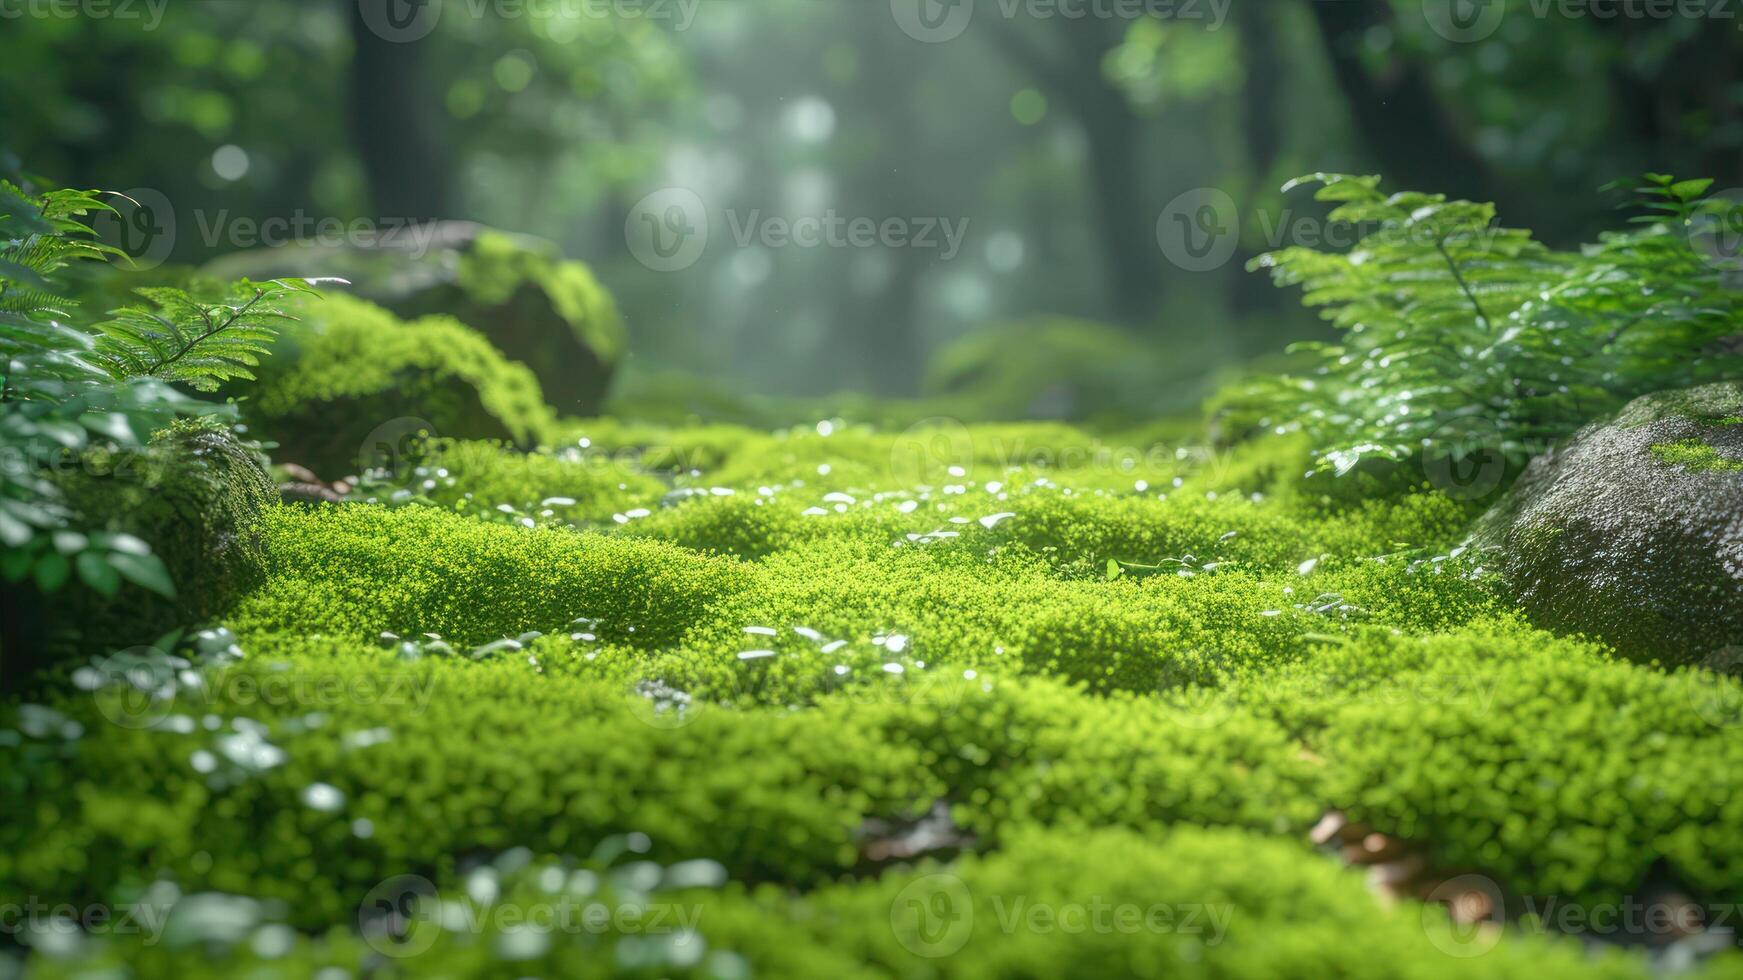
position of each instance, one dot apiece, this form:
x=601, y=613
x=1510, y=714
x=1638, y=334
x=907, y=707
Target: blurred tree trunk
x=1681, y=111
x=1408, y=132
x=398, y=138
x=1262, y=132
x=1112, y=133
x=886, y=330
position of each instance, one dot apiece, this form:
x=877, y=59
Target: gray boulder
x=1633, y=531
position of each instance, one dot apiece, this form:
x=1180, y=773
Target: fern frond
x=1455, y=326
x=180, y=339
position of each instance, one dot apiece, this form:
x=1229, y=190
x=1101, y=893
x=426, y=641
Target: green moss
x=767, y=649
x=1543, y=763
x=498, y=482
x=352, y=371
x=196, y=496
x=498, y=265
x=357, y=570
x=1196, y=903
x=1695, y=454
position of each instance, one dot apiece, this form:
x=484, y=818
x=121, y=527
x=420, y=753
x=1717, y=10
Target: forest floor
x=1002, y=700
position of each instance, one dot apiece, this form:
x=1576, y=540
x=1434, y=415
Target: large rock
x=529, y=302
x=1633, y=531
x=351, y=386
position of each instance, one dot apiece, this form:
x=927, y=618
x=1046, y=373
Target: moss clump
x=196, y=496
x=499, y=482
x=1542, y=763
x=1194, y=903
x=538, y=308
x=1694, y=454
x=352, y=371
x=357, y=570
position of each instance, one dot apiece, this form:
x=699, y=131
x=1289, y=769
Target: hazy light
x=1029, y=106
x=810, y=120
x=514, y=71
x=751, y=267
x=1004, y=251
x=230, y=162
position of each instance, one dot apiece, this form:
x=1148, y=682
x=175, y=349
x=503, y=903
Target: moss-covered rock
x=538, y=308
x=195, y=496
x=352, y=381
x=1633, y=531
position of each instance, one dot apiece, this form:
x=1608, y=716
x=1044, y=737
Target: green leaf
x=1689, y=190
x=96, y=572
x=51, y=571
x=145, y=571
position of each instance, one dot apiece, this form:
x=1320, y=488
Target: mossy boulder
x=1633, y=531
x=195, y=495
x=536, y=307
x=351, y=382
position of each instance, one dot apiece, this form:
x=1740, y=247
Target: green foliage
x=194, y=494
x=1461, y=337
x=67, y=389
x=1195, y=903
x=500, y=483
x=357, y=570
x=202, y=345
x=1450, y=741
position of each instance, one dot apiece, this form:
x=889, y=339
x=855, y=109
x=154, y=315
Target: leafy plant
x=65, y=387
x=199, y=344
x=1463, y=337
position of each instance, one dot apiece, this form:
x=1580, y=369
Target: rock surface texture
x=1633, y=531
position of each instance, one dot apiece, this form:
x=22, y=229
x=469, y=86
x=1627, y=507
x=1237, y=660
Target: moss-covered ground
x=962, y=701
